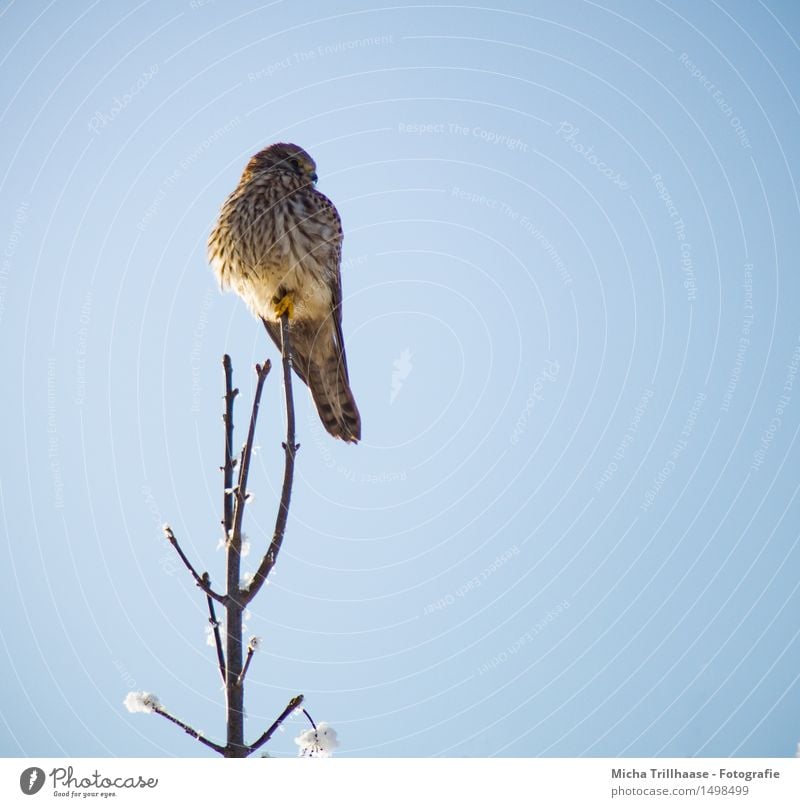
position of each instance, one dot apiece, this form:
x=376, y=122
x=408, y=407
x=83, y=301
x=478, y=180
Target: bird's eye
x=295, y=164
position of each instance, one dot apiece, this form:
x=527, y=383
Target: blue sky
x=571, y=321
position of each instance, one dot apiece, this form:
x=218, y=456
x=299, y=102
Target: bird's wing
x=328, y=212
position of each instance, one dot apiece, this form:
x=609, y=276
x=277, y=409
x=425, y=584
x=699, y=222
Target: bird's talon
x=285, y=306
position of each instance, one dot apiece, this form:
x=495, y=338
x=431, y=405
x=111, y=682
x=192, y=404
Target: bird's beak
x=314, y=178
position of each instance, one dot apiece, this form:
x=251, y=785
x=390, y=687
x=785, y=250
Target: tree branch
x=202, y=581
x=251, y=649
x=230, y=462
x=240, y=492
x=290, y=450
x=159, y=710
x=235, y=599
x=212, y=618
x=264, y=738
x=310, y=720
x=235, y=604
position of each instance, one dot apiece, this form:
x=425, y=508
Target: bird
x=277, y=243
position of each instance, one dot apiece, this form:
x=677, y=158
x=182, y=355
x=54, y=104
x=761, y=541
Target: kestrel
x=278, y=245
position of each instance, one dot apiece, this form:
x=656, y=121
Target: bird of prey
x=278, y=245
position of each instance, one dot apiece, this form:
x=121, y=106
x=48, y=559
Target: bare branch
x=290, y=450
x=240, y=492
x=159, y=710
x=202, y=581
x=251, y=649
x=234, y=605
x=235, y=599
x=230, y=462
x=214, y=622
x=264, y=738
x=310, y=720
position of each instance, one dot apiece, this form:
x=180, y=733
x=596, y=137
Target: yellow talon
x=285, y=306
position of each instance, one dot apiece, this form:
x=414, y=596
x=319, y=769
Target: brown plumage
x=278, y=243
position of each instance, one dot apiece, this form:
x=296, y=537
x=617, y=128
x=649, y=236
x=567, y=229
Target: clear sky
x=571, y=316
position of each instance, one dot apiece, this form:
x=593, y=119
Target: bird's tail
x=334, y=399
x=319, y=360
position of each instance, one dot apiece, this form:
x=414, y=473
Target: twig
x=230, y=462
x=293, y=704
x=202, y=581
x=310, y=720
x=240, y=493
x=250, y=651
x=290, y=450
x=212, y=618
x=159, y=710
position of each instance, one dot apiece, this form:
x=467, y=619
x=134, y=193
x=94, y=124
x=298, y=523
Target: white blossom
x=319, y=742
x=141, y=702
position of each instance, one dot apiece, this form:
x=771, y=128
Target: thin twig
x=202, y=581
x=293, y=704
x=159, y=710
x=290, y=450
x=310, y=720
x=212, y=618
x=230, y=462
x=240, y=492
x=250, y=651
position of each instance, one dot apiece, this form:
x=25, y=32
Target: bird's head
x=283, y=157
